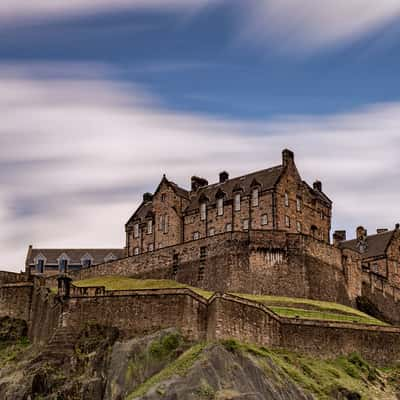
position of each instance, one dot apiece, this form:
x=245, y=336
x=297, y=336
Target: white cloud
x=308, y=25
x=31, y=9
x=76, y=155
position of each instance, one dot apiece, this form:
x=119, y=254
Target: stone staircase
x=60, y=348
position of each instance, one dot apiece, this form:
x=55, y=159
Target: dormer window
x=203, y=211
x=254, y=197
x=110, y=257
x=63, y=264
x=136, y=230
x=220, y=206
x=149, y=227
x=237, y=201
x=286, y=200
x=86, y=260
x=40, y=262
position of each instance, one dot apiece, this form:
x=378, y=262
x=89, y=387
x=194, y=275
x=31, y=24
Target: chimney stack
x=361, y=233
x=397, y=227
x=317, y=185
x=287, y=157
x=223, y=176
x=147, y=197
x=198, y=182
x=339, y=236
x=381, y=230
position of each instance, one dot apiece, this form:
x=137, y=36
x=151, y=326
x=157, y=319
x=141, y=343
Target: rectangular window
x=196, y=235
x=40, y=266
x=228, y=227
x=150, y=247
x=298, y=204
x=321, y=214
x=163, y=197
x=286, y=200
x=136, y=251
x=237, y=202
x=166, y=222
x=254, y=198
x=161, y=223
x=63, y=264
x=87, y=262
x=246, y=224
x=149, y=227
x=287, y=221
x=298, y=226
x=211, y=232
x=136, y=230
x=264, y=219
x=220, y=207
x=203, y=211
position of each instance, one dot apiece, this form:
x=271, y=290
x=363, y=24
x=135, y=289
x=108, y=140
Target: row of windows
x=237, y=204
x=299, y=205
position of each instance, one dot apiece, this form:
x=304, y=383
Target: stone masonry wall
x=15, y=300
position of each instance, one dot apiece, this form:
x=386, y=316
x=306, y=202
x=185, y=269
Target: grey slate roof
x=267, y=178
x=377, y=244
x=75, y=255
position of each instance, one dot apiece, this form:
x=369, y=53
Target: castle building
x=273, y=199
x=55, y=261
x=380, y=253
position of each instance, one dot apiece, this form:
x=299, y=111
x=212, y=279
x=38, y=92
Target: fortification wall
x=323, y=339
x=383, y=295
x=139, y=312
x=15, y=300
x=12, y=277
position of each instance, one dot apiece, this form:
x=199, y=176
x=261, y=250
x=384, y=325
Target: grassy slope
x=283, y=306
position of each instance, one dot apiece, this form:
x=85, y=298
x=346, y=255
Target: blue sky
x=99, y=98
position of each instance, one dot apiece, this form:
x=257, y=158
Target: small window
x=264, y=219
x=136, y=251
x=63, y=265
x=220, y=207
x=86, y=262
x=136, y=230
x=163, y=197
x=246, y=224
x=287, y=221
x=211, y=232
x=286, y=200
x=150, y=247
x=40, y=266
x=160, y=246
x=196, y=235
x=149, y=227
x=203, y=211
x=321, y=214
x=166, y=223
x=298, y=226
x=161, y=223
x=237, y=202
x=254, y=197
x=228, y=227
x=298, y=204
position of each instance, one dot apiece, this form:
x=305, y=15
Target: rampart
x=258, y=262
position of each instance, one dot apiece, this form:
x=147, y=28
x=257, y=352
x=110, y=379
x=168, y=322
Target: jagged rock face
x=95, y=364
x=224, y=375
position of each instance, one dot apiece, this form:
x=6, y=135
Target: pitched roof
x=376, y=244
x=267, y=178
x=75, y=255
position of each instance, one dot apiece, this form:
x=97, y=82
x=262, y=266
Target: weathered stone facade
x=272, y=199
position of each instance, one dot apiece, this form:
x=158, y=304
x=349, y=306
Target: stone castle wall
x=258, y=262
x=15, y=300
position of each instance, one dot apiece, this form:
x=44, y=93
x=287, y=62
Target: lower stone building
x=55, y=261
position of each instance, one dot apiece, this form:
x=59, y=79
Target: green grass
x=9, y=351
x=125, y=283
x=178, y=367
x=287, y=307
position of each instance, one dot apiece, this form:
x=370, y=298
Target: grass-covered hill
x=283, y=306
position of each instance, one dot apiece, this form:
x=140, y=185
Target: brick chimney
x=317, y=185
x=382, y=230
x=397, y=227
x=361, y=233
x=339, y=236
x=198, y=182
x=147, y=197
x=223, y=176
x=287, y=157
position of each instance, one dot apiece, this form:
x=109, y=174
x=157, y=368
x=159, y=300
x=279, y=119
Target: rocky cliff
x=97, y=364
